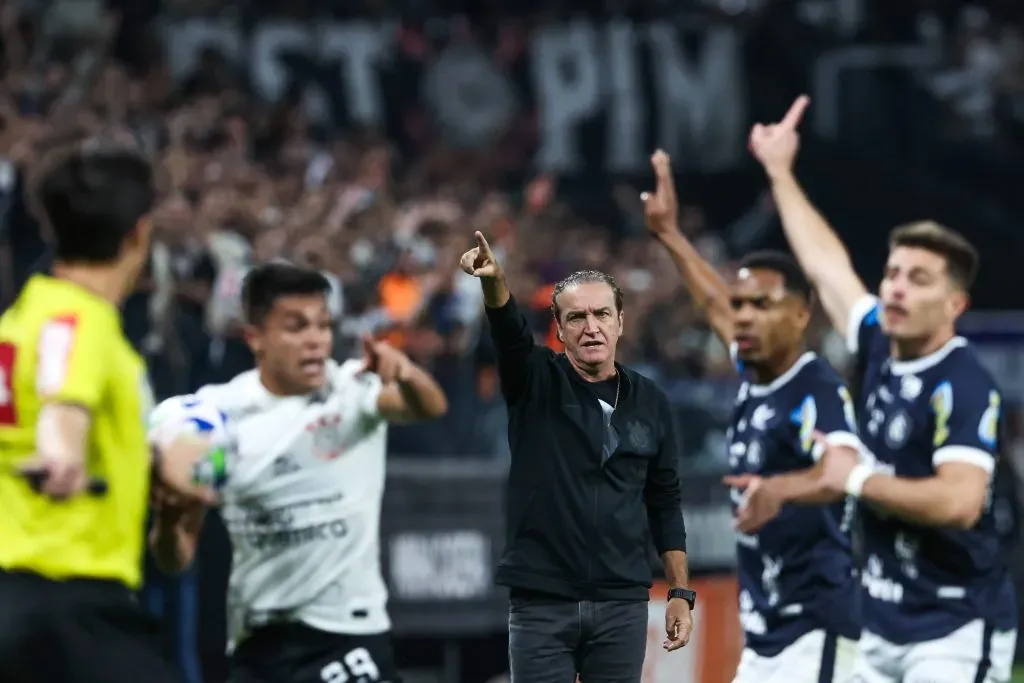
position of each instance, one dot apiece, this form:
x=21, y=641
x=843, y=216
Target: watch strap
x=690, y=596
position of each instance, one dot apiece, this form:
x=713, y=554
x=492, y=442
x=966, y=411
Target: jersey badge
x=988, y=428
x=898, y=431
x=910, y=387
x=759, y=420
x=328, y=442
x=806, y=419
x=638, y=436
x=942, y=407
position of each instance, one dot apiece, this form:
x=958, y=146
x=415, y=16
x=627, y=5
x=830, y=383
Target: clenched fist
x=775, y=145
x=480, y=260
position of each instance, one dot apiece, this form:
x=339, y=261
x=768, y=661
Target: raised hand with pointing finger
x=480, y=260
x=775, y=145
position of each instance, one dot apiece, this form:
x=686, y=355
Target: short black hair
x=92, y=197
x=581, y=277
x=793, y=277
x=268, y=282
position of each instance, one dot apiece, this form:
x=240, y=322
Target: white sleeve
x=860, y=310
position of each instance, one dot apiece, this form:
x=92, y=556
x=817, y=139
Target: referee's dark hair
x=92, y=197
x=793, y=277
x=268, y=282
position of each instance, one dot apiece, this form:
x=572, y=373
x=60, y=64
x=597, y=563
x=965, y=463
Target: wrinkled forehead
x=751, y=283
x=586, y=297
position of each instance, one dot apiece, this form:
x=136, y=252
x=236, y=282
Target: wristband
x=855, y=480
x=212, y=470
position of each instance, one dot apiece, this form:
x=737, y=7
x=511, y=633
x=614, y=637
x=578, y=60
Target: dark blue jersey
x=922, y=583
x=795, y=574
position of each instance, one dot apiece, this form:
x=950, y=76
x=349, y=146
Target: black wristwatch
x=683, y=594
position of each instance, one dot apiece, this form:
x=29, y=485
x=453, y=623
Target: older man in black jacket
x=593, y=478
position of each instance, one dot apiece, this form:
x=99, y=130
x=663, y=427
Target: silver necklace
x=618, y=383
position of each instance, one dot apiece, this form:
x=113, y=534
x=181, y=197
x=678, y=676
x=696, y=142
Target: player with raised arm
x=75, y=466
x=302, y=503
x=929, y=416
x=797, y=590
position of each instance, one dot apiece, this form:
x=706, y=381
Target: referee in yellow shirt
x=74, y=463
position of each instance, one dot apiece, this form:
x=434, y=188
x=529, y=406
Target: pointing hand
x=661, y=208
x=480, y=260
x=775, y=145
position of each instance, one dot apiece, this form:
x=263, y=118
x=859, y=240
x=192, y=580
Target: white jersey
x=302, y=503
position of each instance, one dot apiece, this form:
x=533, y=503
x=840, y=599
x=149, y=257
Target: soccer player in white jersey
x=934, y=577
x=302, y=502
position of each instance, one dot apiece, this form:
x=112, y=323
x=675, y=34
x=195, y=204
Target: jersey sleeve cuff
x=847, y=439
x=858, y=312
x=965, y=454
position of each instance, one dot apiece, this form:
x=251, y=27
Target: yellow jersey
x=60, y=343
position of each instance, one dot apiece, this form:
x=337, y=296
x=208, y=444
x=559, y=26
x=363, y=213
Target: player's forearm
x=175, y=464
x=709, y=290
x=818, y=249
x=677, y=568
x=814, y=242
x=930, y=501
x=803, y=488
x=423, y=397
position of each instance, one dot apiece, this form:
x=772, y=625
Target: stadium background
x=370, y=137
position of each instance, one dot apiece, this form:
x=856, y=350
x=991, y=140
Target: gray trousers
x=551, y=641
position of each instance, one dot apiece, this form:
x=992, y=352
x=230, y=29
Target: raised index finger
x=481, y=242
x=796, y=112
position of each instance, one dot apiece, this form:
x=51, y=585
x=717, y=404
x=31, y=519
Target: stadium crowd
x=245, y=181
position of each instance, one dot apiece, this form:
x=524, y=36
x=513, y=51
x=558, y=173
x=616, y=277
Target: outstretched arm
x=817, y=247
x=513, y=340
x=709, y=291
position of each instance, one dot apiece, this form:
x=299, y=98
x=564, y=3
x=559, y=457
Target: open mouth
x=593, y=343
x=312, y=365
x=894, y=311
x=745, y=343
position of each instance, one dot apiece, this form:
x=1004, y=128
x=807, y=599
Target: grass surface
x=1018, y=675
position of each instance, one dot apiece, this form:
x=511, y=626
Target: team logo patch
x=638, y=436
x=988, y=429
x=898, y=430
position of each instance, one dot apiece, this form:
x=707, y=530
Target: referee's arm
x=664, y=505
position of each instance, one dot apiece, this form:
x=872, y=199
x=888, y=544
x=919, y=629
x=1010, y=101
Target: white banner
x=639, y=85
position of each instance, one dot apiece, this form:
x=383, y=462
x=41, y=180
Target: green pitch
x=1018, y=674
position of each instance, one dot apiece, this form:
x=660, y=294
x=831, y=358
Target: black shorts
x=76, y=631
x=295, y=653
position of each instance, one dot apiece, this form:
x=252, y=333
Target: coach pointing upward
x=593, y=477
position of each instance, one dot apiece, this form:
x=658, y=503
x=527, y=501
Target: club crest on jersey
x=759, y=420
x=910, y=387
x=328, y=442
x=898, y=431
x=638, y=436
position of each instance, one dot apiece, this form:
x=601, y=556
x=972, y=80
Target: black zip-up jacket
x=579, y=523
